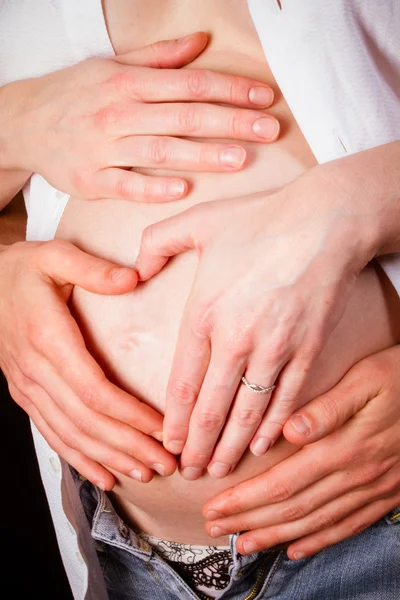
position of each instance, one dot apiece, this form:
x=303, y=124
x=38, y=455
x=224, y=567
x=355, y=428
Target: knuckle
x=278, y=350
x=124, y=186
x=83, y=425
x=90, y=398
x=56, y=252
x=293, y=513
x=236, y=124
x=228, y=454
x=237, y=90
x=67, y=438
x=149, y=237
x=183, y=392
x=107, y=116
x=210, y=421
x=25, y=383
x=324, y=520
x=188, y=119
x=279, y=492
x=357, y=527
x=248, y=417
x=197, y=83
x=198, y=459
x=123, y=82
x=235, y=501
x=82, y=180
x=159, y=150
x=329, y=409
x=26, y=375
x=202, y=320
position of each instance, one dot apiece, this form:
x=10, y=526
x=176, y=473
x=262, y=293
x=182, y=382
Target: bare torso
x=133, y=336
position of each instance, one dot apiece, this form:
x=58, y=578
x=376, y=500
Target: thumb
x=167, y=238
x=326, y=413
x=168, y=54
x=66, y=264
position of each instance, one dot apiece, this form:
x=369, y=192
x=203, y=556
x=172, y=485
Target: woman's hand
x=82, y=127
x=274, y=277
x=336, y=486
x=86, y=419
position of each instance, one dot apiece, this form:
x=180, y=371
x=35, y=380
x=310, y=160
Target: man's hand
x=345, y=479
x=82, y=128
x=86, y=419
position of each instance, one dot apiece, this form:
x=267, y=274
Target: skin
x=297, y=308
x=350, y=465
x=130, y=122
x=36, y=277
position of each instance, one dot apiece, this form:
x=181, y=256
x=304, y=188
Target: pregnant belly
x=133, y=336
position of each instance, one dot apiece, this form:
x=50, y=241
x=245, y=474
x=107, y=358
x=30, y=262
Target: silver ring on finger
x=257, y=389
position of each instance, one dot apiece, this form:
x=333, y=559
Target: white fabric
x=337, y=63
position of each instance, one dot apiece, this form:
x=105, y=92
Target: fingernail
x=116, y=274
x=174, y=446
x=158, y=435
x=175, y=189
x=262, y=96
x=136, y=474
x=298, y=555
x=249, y=547
x=159, y=468
x=192, y=473
x=101, y=485
x=219, y=470
x=301, y=424
x=216, y=531
x=211, y=515
x=232, y=157
x=261, y=446
x=266, y=128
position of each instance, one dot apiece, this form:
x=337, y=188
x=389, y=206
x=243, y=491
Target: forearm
x=13, y=174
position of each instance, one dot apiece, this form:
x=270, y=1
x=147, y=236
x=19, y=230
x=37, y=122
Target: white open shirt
x=337, y=63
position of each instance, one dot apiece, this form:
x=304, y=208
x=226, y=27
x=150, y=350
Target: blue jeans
x=364, y=567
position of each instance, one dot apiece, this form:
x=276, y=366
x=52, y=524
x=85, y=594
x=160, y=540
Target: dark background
x=31, y=566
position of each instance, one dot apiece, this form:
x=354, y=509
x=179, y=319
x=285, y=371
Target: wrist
x=14, y=99
x=368, y=189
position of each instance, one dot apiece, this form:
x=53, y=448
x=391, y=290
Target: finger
x=88, y=468
x=194, y=119
x=178, y=154
x=328, y=412
x=277, y=485
x=244, y=418
x=210, y=412
x=191, y=358
x=62, y=345
x=112, y=433
x=348, y=527
x=75, y=439
x=128, y=185
x=66, y=264
x=319, y=520
x=297, y=507
x=281, y=406
x=167, y=54
x=167, y=238
x=201, y=85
